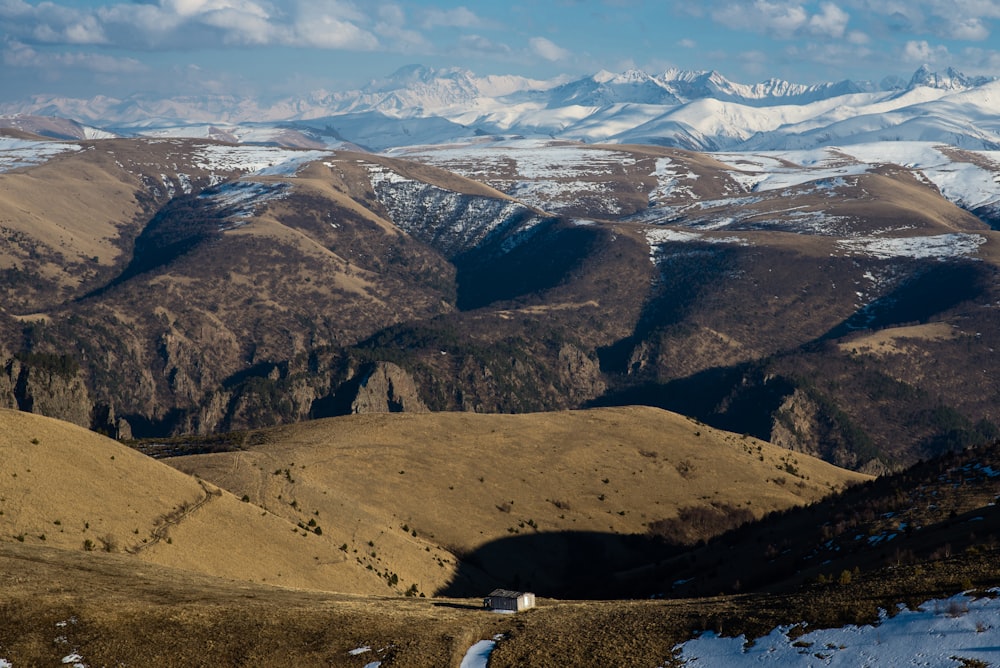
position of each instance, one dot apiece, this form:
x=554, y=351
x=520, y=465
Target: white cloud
x=548, y=50
x=320, y=25
x=185, y=24
x=16, y=54
x=920, y=52
x=967, y=20
x=969, y=29
x=831, y=21
x=687, y=43
x=459, y=17
x=981, y=61
x=395, y=30
x=480, y=45
x=858, y=37
x=781, y=19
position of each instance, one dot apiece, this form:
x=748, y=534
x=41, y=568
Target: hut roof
x=506, y=593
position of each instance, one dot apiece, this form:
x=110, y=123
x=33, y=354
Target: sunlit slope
x=70, y=488
x=393, y=489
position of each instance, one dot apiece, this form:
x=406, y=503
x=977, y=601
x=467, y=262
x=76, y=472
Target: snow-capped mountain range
x=695, y=110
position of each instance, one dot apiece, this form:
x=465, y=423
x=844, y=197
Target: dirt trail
x=163, y=524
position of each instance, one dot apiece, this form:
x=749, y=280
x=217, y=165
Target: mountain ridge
x=426, y=105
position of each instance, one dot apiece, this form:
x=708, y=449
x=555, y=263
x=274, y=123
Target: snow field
x=967, y=184
x=939, y=633
x=941, y=246
x=15, y=153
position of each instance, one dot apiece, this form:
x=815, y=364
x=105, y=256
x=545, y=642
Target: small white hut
x=509, y=601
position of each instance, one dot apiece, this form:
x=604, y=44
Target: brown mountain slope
x=395, y=503
x=509, y=495
x=72, y=489
x=670, y=279
x=112, y=610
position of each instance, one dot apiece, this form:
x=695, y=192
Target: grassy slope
x=113, y=608
x=74, y=486
x=385, y=503
x=406, y=492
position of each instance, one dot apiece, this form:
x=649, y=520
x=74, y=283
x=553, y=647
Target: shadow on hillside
x=563, y=564
x=684, y=277
x=736, y=398
x=492, y=273
x=179, y=227
x=941, y=287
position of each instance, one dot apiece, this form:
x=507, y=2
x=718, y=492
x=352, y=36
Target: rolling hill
x=417, y=504
x=64, y=602
x=243, y=286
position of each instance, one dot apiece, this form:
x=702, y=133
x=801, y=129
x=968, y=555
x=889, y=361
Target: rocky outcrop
x=48, y=385
x=796, y=423
x=580, y=374
x=384, y=387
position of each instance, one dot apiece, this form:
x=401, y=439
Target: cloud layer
x=741, y=37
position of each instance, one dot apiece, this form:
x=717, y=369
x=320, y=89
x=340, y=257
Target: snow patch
x=478, y=655
x=448, y=220
x=17, y=153
x=655, y=237
x=668, y=182
x=262, y=160
x=241, y=199
x=941, y=246
x=935, y=634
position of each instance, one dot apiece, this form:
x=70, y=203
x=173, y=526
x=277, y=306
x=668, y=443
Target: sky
x=275, y=48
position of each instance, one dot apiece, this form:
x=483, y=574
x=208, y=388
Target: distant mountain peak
x=950, y=79
x=696, y=109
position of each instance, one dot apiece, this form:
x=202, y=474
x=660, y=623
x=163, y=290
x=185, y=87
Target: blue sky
x=272, y=48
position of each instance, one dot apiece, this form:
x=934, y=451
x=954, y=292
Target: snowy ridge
x=968, y=179
x=16, y=153
x=696, y=110
x=453, y=222
x=547, y=175
x=261, y=160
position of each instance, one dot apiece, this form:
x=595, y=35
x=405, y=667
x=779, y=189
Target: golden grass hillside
x=66, y=487
x=510, y=495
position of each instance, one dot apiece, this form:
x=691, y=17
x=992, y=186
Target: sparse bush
x=957, y=608
x=694, y=523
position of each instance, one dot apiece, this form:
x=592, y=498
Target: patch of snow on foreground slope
x=478, y=655
x=952, y=632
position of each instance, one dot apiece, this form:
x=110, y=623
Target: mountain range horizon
x=693, y=109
